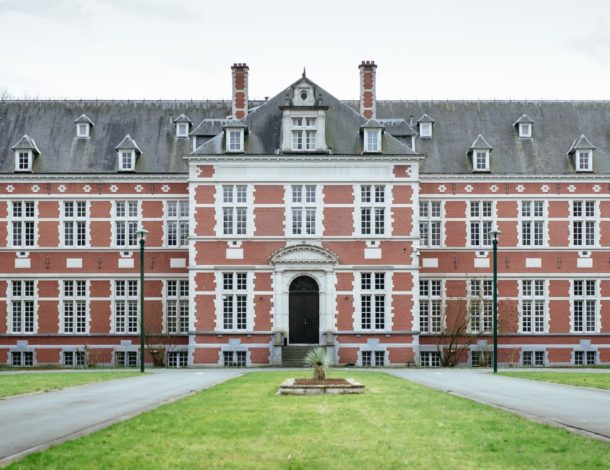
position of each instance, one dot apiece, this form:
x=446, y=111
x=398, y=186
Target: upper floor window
x=372, y=300
x=23, y=218
x=430, y=223
x=235, y=301
x=584, y=161
x=127, y=160
x=23, y=160
x=584, y=306
x=372, y=140
x=177, y=223
x=235, y=140
x=533, y=306
x=480, y=306
x=584, y=215
x=126, y=223
x=125, y=306
x=481, y=223
x=74, y=308
x=532, y=223
x=304, y=133
x=75, y=223
x=303, y=209
x=481, y=160
x=234, y=209
x=430, y=306
x=22, y=302
x=372, y=209
x=177, y=306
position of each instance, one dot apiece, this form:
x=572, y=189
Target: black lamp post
x=141, y=234
x=495, y=233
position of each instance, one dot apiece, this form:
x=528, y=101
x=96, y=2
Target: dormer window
x=83, y=126
x=25, y=152
x=584, y=162
x=23, y=160
x=525, y=130
x=372, y=140
x=127, y=160
x=183, y=126
x=481, y=160
x=234, y=136
x=480, y=152
x=304, y=133
x=425, y=126
x=582, y=154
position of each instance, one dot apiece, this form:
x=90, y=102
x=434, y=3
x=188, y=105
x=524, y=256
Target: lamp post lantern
x=495, y=233
x=141, y=234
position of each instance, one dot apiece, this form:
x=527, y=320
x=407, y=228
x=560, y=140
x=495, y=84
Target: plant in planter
x=319, y=359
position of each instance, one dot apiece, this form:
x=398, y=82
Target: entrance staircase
x=294, y=356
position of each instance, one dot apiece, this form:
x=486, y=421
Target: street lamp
x=495, y=233
x=141, y=234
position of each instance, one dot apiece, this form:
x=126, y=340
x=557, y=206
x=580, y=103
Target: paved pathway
x=577, y=408
x=35, y=422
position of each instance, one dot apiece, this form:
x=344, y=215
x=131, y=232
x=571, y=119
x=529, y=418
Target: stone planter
x=290, y=387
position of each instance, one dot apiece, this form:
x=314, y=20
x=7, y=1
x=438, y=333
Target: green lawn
x=16, y=384
x=396, y=424
x=581, y=379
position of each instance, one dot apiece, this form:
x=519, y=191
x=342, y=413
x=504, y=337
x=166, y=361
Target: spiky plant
x=319, y=359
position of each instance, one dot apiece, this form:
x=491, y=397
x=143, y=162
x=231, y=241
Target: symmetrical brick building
x=303, y=219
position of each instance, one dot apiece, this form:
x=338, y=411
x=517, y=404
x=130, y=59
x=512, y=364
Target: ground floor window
x=480, y=358
x=584, y=358
x=125, y=359
x=74, y=358
x=22, y=358
x=234, y=358
x=177, y=359
x=429, y=359
x=533, y=358
x=373, y=358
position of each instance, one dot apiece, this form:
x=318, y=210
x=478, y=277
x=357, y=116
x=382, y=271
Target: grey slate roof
x=480, y=144
x=582, y=143
x=372, y=124
x=209, y=127
x=26, y=143
x=397, y=127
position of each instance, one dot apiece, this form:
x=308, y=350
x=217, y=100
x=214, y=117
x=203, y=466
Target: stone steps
x=294, y=356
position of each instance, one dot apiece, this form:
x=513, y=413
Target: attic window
x=82, y=130
x=23, y=161
x=584, y=162
x=525, y=130
x=235, y=140
x=372, y=140
x=182, y=129
x=304, y=133
x=481, y=160
x=127, y=160
x=425, y=129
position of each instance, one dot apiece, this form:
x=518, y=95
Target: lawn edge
x=607, y=390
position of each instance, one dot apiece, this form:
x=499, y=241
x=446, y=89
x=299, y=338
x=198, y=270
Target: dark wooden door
x=304, y=313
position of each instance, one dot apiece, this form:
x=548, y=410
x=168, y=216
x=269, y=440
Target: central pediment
x=304, y=254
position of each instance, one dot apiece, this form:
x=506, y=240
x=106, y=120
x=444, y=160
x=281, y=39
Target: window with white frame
x=429, y=359
x=584, y=306
x=525, y=130
x=182, y=129
x=125, y=358
x=430, y=223
x=125, y=307
x=532, y=217
x=533, y=358
x=82, y=130
x=533, y=306
x=234, y=209
x=372, y=140
x=373, y=358
x=235, y=140
x=430, y=306
x=234, y=301
x=584, y=160
x=303, y=209
x=74, y=307
x=585, y=358
x=304, y=133
x=126, y=223
x=177, y=223
x=22, y=301
x=127, y=160
x=480, y=160
x=23, y=160
x=425, y=129
x=584, y=215
x=75, y=223
x=23, y=220
x=481, y=223
x=234, y=358
x=372, y=209
x=22, y=358
x=372, y=300
x=75, y=358
x=177, y=359
x=480, y=306
x=177, y=306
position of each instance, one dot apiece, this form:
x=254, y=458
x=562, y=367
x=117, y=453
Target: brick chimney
x=239, y=74
x=368, y=101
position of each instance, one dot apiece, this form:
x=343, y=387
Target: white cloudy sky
x=551, y=49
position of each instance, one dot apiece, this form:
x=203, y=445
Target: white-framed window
x=126, y=216
x=480, y=305
x=425, y=129
x=585, y=358
x=177, y=223
x=22, y=358
x=304, y=133
x=533, y=358
x=372, y=140
x=533, y=306
x=182, y=129
x=584, y=160
x=23, y=223
x=23, y=306
x=373, y=298
x=303, y=209
x=74, y=223
x=127, y=160
x=234, y=358
x=430, y=223
x=234, y=140
x=177, y=359
x=74, y=358
x=373, y=358
x=584, y=223
x=126, y=359
x=82, y=130
x=177, y=306
x=373, y=209
x=74, y=306
x=481, y=222
x=584, y=306
x=480, y=160
x=23, y=160
x=234, y=209
x=525, y=130
x=234, y=297
x=429, y=359
x=533, y=221
x=430, y=306
x=125, y=304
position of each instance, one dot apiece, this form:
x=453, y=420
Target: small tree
x=319, y=359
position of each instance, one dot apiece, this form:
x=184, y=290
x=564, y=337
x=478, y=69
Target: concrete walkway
x=34, y=422
x=579, y=409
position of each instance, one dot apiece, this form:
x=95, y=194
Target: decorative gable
x=303, y=254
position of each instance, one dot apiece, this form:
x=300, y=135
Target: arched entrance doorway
x=304, y=311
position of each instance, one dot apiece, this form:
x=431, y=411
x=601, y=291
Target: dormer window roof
x=127, y=151
x=524, y=126
x=83, y=126
x=582, y=153
x=479, y=152
x=372, y=131
x=234, y=136
x=25, y=151
x=425, y=124
x=183, y=126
